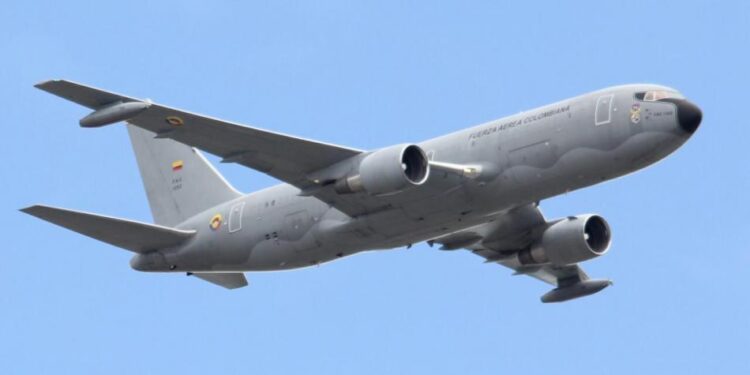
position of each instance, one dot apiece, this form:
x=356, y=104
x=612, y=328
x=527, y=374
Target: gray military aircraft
x=476, y=189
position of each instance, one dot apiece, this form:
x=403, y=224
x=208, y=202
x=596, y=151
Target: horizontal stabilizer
x=130, y=235
x=227, y=280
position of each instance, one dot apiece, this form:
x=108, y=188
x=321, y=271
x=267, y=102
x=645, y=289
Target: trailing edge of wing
x=127, y=234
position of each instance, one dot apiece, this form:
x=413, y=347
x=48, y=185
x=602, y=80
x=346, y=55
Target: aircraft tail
x=178, y=180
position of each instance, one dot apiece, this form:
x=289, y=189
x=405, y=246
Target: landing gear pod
x=113, y=113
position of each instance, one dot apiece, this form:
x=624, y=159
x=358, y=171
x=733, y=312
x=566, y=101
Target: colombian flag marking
x=176, y=165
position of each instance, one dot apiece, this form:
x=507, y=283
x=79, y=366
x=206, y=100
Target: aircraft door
x=235, y=217
x=603, y=110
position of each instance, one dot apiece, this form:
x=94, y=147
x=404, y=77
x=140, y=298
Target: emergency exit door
x=603, y=111
x=235, y=217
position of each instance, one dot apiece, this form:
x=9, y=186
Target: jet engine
x=569, y=241
x=388, y=170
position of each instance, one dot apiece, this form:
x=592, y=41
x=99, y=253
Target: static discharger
x=113, y=113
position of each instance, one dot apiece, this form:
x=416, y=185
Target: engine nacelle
x=388, y=170
x=569, y=241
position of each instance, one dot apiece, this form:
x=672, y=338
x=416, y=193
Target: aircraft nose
x=689, y=115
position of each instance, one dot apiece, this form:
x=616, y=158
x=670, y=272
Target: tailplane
x=178, y=180
x=127, y=234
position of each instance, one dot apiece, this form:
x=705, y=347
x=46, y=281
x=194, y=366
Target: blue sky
x=370, y=75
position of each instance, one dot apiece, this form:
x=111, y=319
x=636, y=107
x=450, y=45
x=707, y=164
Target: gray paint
x=178, y=181
x=522, y=159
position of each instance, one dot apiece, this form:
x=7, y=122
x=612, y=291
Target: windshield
x=654, y=95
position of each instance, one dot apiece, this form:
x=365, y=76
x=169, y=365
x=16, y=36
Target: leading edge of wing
x=92, y=97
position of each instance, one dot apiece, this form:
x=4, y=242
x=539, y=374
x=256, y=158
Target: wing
x=500, y=240
x=287, y=158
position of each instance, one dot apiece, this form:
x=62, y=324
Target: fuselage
x=525, y=158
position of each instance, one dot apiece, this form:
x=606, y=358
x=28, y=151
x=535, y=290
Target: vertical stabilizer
x=178, y=180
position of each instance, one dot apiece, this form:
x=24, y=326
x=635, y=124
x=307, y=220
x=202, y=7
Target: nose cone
x=688, y=115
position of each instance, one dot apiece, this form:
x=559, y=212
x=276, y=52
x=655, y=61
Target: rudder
x=178, y=180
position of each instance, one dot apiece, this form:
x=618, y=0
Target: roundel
x=174, y=121
x=215, y=222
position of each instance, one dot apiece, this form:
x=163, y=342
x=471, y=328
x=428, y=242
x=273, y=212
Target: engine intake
x=388, y=170
x=569, y=241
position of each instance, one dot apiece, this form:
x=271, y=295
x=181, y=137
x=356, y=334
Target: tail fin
x=178, y=180
x=127, y=234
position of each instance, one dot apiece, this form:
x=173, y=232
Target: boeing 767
x=476, y=189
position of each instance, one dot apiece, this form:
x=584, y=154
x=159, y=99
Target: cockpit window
x=654, y=95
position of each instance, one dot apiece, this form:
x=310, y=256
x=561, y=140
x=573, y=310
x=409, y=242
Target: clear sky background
x=370, y=75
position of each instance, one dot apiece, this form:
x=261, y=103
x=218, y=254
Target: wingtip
x=50, y=83
x=30, y=209
x=41, y=85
